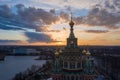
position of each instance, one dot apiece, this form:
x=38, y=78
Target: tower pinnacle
x=71, y=28
x=71, y=41
x=71, y=22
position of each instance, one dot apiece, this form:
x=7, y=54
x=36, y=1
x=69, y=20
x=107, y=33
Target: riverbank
x=35, y=73
x=15, y=64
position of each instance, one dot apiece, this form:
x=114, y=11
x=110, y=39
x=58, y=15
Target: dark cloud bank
x=8, y=42
x=96, y=31
x=106, y=14
x=36, y=37
x=27, y=18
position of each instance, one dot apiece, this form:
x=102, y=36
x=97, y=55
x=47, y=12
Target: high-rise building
x=71, y=63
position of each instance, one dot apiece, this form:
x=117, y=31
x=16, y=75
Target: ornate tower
x=71, y=63
x=71, y=41
x=71, y=55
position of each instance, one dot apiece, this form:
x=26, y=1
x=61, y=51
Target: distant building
x=25, y=51
x=109, y=64
x=72, y=63
x=2, y=57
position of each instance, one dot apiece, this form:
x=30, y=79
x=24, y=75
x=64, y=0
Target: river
x=16, y=64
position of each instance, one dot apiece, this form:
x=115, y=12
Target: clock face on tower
x=71, y=42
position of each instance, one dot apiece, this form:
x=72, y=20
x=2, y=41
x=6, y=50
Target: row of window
x=72, y=65
x=75, y=78
x=72, y=78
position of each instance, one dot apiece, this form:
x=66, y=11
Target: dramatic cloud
x=96, y=31
x=9, y=27
x=23, y=17
x=99, y=17
x=106, y=14
x=48, y=4
x=64, y=16
x=37, y=37
x=5, y=11
x=38, y=18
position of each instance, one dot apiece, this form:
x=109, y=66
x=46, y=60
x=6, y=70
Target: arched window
x=77, y=78
x=68, y=78
x=78, y=65
x=65, y=64
x=72, y=77
x=64, y=78
x=72, y=65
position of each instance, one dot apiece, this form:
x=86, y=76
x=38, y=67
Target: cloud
x=5, y=11
x=64, y=28
x=51, y=31
x=9, y=27
x=99, y=17
x=52, y=11
x=12, y=42
x=36, y=18
x=64, y=16
x=46, y=29
x=118, y=39
x=24, y=17
x=37, y=37
x=9, y=41
x=106, y=14
x=96, y=31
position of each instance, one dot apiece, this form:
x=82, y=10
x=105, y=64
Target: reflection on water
x=15, y=64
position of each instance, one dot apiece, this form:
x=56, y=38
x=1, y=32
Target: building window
x=76, y=77
x=59, y=78
x=72, y=78
x=65, y=64
x=78, y=65
x=64, y=78
x=72, y=65
x=68, y=78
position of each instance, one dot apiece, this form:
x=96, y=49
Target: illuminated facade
x=72, y=63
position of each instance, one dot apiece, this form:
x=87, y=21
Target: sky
x=46, y=22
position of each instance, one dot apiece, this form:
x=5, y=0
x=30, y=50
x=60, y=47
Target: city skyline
x=38, y=22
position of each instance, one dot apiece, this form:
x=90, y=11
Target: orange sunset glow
x=47, y=23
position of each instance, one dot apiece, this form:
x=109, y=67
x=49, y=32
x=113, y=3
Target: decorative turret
x=60, y=51
x=71, y=63
x=71, y=22
x=71, y=41
x=57, y=65
x=84, y=51
x=57, y=53
x=71, y=28
x=88, y=53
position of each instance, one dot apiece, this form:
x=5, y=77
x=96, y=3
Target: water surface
x=16, y=64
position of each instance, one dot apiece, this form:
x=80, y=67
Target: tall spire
x=71, y=16
x=71, y=22
x=71, y=41
x=71, y=28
